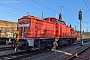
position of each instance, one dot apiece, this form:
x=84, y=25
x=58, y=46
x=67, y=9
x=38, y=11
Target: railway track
x=68, y=53
x=43, y=55
x=84, y=56
x=15, y=56
x=20, y=55
x=5, y=47
x=49, y=55
x=76, y=55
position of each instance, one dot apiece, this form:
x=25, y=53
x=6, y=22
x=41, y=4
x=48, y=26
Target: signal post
x=80, y=18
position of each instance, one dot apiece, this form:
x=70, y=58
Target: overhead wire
x=61, y=6
x=4, y=14
x=88, y=10
x=44, y=6
x=11, y=14
x=33, y=7
x=28, y=5
x=48, y=8
x=67, y=11
x=88, y=2
x=86, y=5
x=13, y=8
x=23, y=10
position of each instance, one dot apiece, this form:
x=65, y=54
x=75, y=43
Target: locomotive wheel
x=42, y=46
x=28, y=48
x=23, y=47
x=69, y=42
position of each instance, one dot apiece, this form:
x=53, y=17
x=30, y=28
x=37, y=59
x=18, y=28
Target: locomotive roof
x=29, y=17
x=33, y=17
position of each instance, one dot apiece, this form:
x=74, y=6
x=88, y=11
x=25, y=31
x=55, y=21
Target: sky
x=12, y=10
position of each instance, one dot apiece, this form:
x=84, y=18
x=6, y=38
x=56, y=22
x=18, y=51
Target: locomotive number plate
x=23, y=25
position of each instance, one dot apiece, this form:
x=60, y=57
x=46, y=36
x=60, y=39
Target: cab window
x=61, y=22
x=54, y=21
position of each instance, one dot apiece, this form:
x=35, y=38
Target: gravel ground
x=61, y=54
x=71, y=51
x=49, y=55
x=6, y=52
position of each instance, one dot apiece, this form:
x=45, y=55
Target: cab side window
x=54, y=21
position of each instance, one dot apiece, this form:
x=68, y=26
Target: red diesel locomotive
x=36, y=33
